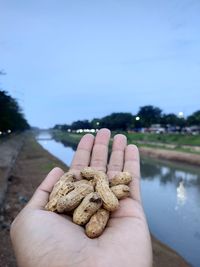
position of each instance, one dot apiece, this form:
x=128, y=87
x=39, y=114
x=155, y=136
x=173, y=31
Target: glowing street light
x=137, y=118
x=180, y=114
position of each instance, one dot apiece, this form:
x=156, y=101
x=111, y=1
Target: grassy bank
x=175, y=139
x=68, y=139
x=175, y=142
x=176, y=148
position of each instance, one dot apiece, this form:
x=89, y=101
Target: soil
x=31, y=166
x=177, y=156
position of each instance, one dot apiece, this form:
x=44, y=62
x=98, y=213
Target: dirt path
x=177, y=156
x=9, y=150
x=32, y=165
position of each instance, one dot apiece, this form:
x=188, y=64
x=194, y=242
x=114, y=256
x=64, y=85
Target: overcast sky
x=70, y=60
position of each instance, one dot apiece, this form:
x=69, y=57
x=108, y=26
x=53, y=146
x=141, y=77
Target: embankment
x=9, y=149
x=172, y=155
x=169, y=153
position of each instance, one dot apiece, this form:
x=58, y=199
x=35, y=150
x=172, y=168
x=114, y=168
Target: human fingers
x=100, y=150
x=116, y=162
x=132, y=165
x=82, y=155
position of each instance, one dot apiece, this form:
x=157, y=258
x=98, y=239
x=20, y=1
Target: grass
x=71, y=139
x=177, y=148
x=142, y=140
x=162, y=140
x=176, y=139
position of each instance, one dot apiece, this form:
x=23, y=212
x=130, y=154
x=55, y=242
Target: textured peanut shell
x=67, y=176
x=92, y=174
x=73, y=199
x=99, y=175
x=80, y=182
x=121, y=191
x=97, y=223
x=63, y=186
x=84, y=181
x=90, y=204
x=64, y=189
x=110, y=202
x=64, y=179
x=51, y=205
x=121, y=178
x=88, y=173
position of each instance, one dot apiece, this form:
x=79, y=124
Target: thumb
x=41, y=195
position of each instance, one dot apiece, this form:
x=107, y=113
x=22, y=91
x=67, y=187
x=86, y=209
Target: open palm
x=43, y=238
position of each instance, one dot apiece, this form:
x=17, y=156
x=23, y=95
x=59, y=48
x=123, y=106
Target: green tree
x=11, y=116
x=80, y=124
x=181, y=122
x=95, y=123
x=170, y=119
x=194, y=119
x=149, y=115
x=117, y=121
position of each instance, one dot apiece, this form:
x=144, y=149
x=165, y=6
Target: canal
x=171, y=199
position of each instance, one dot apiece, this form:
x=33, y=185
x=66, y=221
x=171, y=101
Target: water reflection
x=155, y=169
x=171, y=197
x=181, y=194
x=66, y=143
x=56, y=148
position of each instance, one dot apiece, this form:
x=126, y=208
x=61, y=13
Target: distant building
x=157, y=128
x=194, y=130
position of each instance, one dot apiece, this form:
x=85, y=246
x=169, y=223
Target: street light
x=137, y=118
x=180, y=114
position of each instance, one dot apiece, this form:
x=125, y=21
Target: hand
x=45, y=239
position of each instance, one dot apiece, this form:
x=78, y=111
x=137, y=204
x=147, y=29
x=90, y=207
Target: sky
x=70, y=60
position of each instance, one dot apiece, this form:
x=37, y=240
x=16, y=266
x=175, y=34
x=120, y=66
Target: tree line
x=11, y=116
x=145, y=117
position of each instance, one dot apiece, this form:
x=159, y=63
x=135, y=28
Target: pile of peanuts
x=89, y=200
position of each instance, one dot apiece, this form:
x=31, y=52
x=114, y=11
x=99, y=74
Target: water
x=57, y=149
x=171, y=199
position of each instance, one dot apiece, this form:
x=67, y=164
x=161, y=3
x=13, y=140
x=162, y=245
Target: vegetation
x=194, y=119
x=175, y=139
x=149, y=115
x=146, y=116
x=11, y=116
x=114, y=121
x=176, y=142
x=68, y=139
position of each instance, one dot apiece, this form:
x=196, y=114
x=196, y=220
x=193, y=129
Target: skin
x=45, y=239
